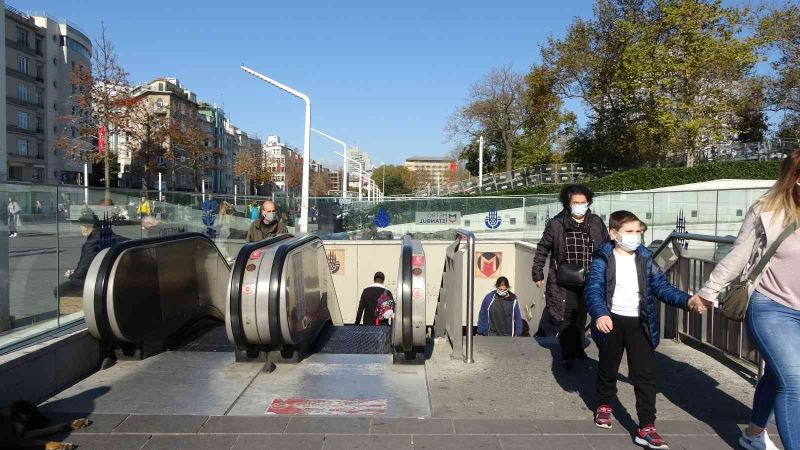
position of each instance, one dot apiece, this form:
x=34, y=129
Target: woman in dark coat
x=569, y=238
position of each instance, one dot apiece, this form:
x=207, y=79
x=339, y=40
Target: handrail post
x=470, y=292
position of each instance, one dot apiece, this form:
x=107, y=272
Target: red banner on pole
x=101, y=139
x=452, y=167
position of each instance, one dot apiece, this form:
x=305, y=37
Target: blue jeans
x=775, y=330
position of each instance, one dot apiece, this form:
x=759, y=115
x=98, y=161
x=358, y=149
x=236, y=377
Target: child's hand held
x=605, y=324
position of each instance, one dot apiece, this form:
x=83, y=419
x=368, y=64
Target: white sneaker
x=758, y=442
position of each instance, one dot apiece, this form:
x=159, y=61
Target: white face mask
x=502, y=293
x=629, y=242
x=580, y=210
x=269, y=217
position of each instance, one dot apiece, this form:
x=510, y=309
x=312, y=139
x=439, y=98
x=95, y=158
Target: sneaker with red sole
x=648, y=437
x=602, y=416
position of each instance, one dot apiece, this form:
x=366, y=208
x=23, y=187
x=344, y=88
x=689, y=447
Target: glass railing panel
x=30, y=266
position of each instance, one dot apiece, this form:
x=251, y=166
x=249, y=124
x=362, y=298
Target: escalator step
x=355, y=339
x=208, y=337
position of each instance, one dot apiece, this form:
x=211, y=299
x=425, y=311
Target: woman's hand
x=605, y=324
x=539, y=283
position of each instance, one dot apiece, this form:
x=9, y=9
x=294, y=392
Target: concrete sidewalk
x=301, y=433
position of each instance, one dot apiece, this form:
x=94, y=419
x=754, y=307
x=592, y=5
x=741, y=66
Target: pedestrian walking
x=621, y=289
x=569, y=240
x=766, y=256
x=13, y=217
x=500, y=314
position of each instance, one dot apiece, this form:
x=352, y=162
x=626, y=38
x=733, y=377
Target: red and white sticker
x=417, y=260
x=327, y=407
x=417, y=294
x=256, y=254
x=248, y=288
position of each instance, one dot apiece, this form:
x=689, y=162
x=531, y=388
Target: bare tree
x=147, y=134
x=98, y=101
x=252, y=164
x=495, y=107
x=192, y=148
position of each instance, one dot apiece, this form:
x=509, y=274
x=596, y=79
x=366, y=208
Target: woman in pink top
x=773, y=315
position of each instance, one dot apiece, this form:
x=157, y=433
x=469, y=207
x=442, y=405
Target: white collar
x=377, y=285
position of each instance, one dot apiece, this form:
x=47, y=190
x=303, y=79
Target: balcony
x=20, y=102
x=23, y=47
x=29, y=131
x=24, y=76
x=29, y=156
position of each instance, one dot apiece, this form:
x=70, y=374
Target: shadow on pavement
x=684, y=385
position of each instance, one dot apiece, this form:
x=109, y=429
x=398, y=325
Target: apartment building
x=283, y=162
x=39, y=54
x=429, y=169
x=66, y=48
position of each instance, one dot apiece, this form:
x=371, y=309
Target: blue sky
x=383, y=77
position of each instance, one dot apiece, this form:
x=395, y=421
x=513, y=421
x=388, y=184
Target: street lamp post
x=361, y=173
x=344, y=151
x=306, y=143
x=480, y=162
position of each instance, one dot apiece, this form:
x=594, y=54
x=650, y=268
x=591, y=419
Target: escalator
x=278, y=301
x=282, y=302
x=146, y=296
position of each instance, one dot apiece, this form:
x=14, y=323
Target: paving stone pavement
x=323, y=433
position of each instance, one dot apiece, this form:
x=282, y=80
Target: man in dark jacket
x=369, y=300
x=569, y=238
x=267, y=225
x=98, y=237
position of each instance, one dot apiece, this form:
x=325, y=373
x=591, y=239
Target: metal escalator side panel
x=91, y=313
x=407, y=309
x=255, y=297
x=418, y=294
x=284, y=315
x=100, y=289
x=233, y=311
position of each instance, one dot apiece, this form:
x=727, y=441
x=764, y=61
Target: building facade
x=66, y=49
x=283, y=162
x=40, y=54
x=428, y=170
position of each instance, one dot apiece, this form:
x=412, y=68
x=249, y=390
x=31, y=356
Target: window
x=37, y=173
x=160, y=86
x=22, y=36
x=15, y=172
x=22, y=147
x=39, y=98
x=22, y=119
x=38, y=46
x=39, y=125
x=22, y=92
x=22, y=64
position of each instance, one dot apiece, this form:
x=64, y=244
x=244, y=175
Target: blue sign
x=493, y=220
x=382, y=219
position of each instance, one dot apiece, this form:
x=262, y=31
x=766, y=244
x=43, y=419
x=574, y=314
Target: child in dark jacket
x=500, y=314
x=620, y=289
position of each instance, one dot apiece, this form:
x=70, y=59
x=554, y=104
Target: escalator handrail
x=276, y=278
x=237, y=277
x=406, y=321
x=106, y=266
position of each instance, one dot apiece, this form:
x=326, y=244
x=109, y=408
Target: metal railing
x=453, y=297
x=689, y=273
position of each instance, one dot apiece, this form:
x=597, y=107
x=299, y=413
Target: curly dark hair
x=568, y=191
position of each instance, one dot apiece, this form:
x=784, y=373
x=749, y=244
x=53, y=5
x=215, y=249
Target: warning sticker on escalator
x=327, y=407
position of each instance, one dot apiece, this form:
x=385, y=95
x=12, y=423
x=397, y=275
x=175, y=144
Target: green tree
x=780, y=31
x=545, y=120
x=396, y=179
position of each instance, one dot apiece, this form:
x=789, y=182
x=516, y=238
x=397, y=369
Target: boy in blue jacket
x=621, y=288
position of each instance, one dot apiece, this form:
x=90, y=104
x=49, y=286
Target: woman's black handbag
x=570, y=275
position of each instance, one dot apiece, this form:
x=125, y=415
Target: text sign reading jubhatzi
x=437, y=218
